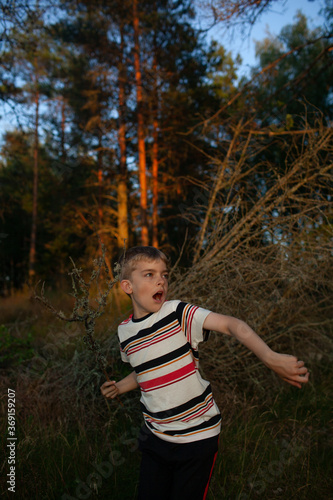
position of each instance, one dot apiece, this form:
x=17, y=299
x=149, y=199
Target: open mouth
x=158, y=296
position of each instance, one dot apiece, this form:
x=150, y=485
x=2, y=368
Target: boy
x=160, y=340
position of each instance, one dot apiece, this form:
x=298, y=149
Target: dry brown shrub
x=265, y=254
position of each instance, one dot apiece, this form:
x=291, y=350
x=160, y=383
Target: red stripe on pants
x=210, y=475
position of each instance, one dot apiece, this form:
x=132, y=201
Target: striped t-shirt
x=162, y=347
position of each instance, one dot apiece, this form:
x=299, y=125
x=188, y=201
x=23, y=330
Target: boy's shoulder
x=126, y=321
x=169, y=305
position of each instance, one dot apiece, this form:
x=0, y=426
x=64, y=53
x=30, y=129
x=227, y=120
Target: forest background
x=131, y=125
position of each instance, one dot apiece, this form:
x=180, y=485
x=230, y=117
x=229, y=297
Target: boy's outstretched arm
x=112, y=389
x=286, y=366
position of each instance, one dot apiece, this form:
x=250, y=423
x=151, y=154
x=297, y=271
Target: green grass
x=275, y=442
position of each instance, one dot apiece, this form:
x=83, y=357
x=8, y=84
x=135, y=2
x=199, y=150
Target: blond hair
x=130, y=257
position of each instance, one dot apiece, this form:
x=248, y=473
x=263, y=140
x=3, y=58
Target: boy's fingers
x=297, y=380
x=108, y=383
x=108, y=387
x=301, y=376
x=303, y=370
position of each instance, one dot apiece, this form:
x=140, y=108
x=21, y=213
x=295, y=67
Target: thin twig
x=83, y=311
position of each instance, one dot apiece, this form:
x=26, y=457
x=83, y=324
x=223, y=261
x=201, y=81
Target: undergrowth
x=73, y=444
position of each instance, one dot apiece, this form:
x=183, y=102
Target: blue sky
x=274, y=19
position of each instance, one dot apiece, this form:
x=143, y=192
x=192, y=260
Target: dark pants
x=171, y=471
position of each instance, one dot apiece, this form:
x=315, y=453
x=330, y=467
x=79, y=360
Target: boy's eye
x=149, y=275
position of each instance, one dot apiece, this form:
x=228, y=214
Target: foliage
x=58, y=234
x=298, y=76
x=14, y=349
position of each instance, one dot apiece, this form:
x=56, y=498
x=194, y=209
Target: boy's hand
x=289, y=369
x=110, y=389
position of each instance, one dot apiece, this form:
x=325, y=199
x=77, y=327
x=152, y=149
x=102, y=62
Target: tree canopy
x=132, y=125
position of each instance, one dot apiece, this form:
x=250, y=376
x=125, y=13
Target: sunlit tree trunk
x=155, y=184
x=99, y=175
x=100, y=185
x=141, y=134
x=100, y=215
x=155, y=163
x=32, y=252
x=100, y=211
x=122, y=184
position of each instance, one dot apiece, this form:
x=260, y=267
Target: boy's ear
x=126, y=286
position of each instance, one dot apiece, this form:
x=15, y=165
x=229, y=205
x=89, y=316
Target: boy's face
x=147, y=286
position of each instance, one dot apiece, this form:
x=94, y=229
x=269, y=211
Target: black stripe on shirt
x=179, y=313
x=172, y=412
x=161, y=360
x=170, y=318
x=205, y=425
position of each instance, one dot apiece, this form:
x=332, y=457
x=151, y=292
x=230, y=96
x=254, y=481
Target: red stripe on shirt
x=126, y=320
x=169, y=378
x=143, y=344
x=199, y=413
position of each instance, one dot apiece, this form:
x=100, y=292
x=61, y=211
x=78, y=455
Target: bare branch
x=83, y=310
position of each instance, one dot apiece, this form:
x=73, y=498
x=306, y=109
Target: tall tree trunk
x=32, y=252
x=141, y=134
x=155, y=163
x=100, y=184
x=155, y=184
x=122, y=184
x=102, y=238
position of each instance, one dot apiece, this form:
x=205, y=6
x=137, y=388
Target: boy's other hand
x=289, y=368
x=109, y=389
